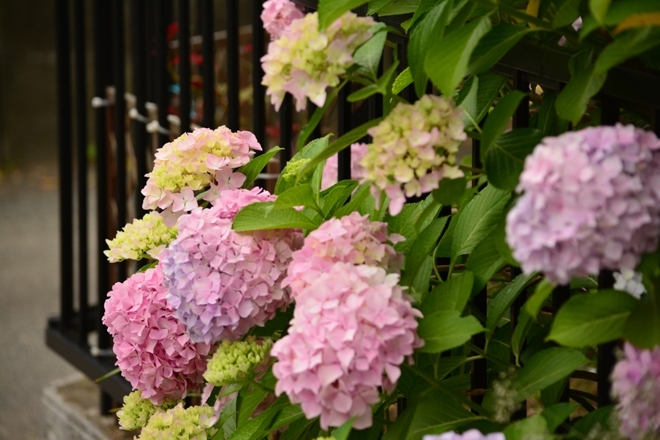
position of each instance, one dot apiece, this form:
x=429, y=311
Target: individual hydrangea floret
x=629, y=281
x=330, y=171
x=143, y=238
x=591, y=201
x=413, y=148
x=153, y=349
x=350, y=333
x=472, y=434
x=304, y=61
x=193, y=423
x=221, y=283
x=136, y=411
x=351, y=239
x=237, y=360
x=278, y=15
x=636, y=387
x=196, y=161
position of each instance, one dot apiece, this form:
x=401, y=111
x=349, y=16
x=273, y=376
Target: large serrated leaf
x=453, y=294
x=498, y=119
x=330, y=10
x=260, y=216
x=367, y=56
x=505, y=158
x=484, y=262
x=572, y=101
x=256, y=165
x=505, y=298
x=421, y=248
x=490, y=50
x=446, y=329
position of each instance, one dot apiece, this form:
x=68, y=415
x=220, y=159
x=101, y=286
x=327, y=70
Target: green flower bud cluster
x=137, y=411
x=143, y=238
x=236, y=360
x=195, y=422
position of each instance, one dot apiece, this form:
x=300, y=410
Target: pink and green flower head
x=277, y=15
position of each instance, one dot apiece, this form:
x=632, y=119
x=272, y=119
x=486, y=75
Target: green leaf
x=535, y=303
x=626, y=46
x=420, y=285
x=505, y=298
x=398, y=7
x=428, y=33
x=363, y=93
x=249, y=403
x=556, y=414
x=289, y=414
x=448, y=66
x=254, y=428
x=260, y=216
x=299, y=429
x=582, y=426
x=545, y=368
x=344, y=430
x=421, y=248
x=498, y=119
x=453, y=294
x=256, y=165
x=309, y=151
x=499, y=238
x=617, y=13
x=505, y=158
x=567, y=12
x=572, y=101
x=358, y=197
x=491, y=49
x=402, y=81
x=337, y=145
x=599, y=8
x=301, y=195
x=314, y=121
x=450, y=191
x=490, y=85
x=592, y=319
x=546, y=116
x=446, y=329
x=479, y=218
x=484, y=262
x=535, y=427
x=424, y=6
x=330, y=10
x=368, y=55
x=643, y=326
x=335, y=196
x=467, y=100
x=525, y=322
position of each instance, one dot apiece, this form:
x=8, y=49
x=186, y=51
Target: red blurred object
x=172, y=30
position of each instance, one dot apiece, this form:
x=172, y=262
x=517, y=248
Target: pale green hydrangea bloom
x=293, y=168
x=136, y=411
x=145, y=237
x=236, y=360
x=194, y=423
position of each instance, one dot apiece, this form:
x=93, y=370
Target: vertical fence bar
x=233, y=67
x=185, y=98
x=65, y=161
x=258, y=91
x=208, y=55
x=606, y=356
x=162, y=92
x=120, y=120
x=139, y=13
x=81, y=159
x=286, y=135
x=344, y=126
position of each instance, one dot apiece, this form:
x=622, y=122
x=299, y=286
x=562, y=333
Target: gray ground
x=29, y=282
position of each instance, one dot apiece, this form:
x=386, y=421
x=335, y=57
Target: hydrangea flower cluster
x=636, y=386
x=413, y=148
x=221, y=283
x=278, y=15
x=591, y=201
x=629, y=281
x=195, y=161
x=154, y=352
x=472, y=434
x=330, y=171
x=350, y=332
x=353, y=239
x=236, y=360
x=145, y=237
x=304, y=61
x=193, y=423
x=136, y=411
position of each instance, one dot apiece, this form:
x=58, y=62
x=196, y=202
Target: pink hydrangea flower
x=330, y=170
x=413, y=148
x=304, y=61
x=278, y=15
x=351, y=331
x=220, y=282
x=352, y=239
x=472, y=434
x=153, y=350
x=636, y=386
x=591, y=201
x=195, y=161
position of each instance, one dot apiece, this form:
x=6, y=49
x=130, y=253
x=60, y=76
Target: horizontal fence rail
x=162, y=67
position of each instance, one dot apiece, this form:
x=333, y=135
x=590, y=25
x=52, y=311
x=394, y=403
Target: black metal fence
x=185, y=70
